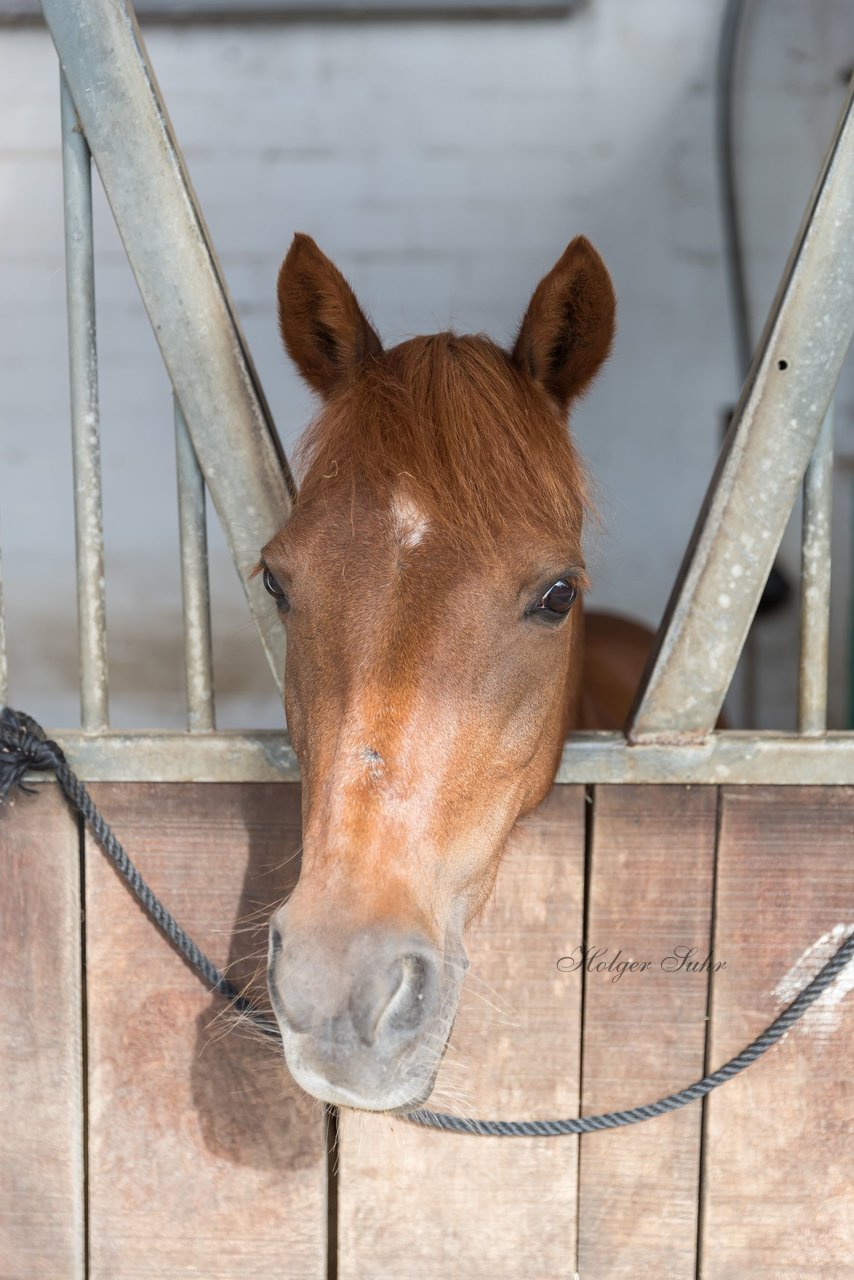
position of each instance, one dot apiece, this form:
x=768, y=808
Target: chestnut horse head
x=430, y=581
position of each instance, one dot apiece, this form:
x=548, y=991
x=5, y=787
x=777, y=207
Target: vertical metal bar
x=815, y=585
x=181, y=284
x=4, y=670
x=850, y=721
x=83, y=366
x=195, y=585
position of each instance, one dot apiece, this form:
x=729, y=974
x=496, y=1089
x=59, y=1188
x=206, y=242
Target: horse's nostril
x=405, y=1009
x=392, y=1005
x=275, y=942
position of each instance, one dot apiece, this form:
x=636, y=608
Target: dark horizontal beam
x=200, y=12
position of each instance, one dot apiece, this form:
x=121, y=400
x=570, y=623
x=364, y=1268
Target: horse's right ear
x=322, y=324
x=569, y=325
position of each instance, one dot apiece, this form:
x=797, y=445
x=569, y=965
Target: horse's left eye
x=273, y=587
x=559, y=599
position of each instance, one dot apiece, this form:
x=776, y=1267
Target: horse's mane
x=453, y=424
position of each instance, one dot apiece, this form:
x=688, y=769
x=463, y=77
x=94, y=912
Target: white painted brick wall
x=444, y=167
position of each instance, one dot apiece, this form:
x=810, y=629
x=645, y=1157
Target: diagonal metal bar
x=755, y=485
x=128, y=131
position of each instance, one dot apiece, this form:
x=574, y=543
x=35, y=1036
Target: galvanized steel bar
x=4, y=669
x=86, y=450
x=128, y=131
x=727, y=757
x=815, y=585
x=195, y=585
x=266, y=756
x=752, y=493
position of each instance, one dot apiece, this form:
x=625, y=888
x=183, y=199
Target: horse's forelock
x=452, y=422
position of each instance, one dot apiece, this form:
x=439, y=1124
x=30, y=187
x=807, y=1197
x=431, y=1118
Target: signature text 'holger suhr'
x=680, y=959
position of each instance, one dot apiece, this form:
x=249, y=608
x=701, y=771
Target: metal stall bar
x=4, y=670
x=127, y=128
x=815, y=585
x=86, y=448
x=195, y=584
x=772, y=438
x=590, y=758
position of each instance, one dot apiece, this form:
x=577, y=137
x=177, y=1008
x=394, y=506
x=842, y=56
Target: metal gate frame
x=781, y=435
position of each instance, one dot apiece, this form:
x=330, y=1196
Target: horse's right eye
x=274, y=589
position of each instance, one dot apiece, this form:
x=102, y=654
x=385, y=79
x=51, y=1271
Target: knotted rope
x=25, y=747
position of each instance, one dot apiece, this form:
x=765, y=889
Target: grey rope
x=614, y=1119
x=24, y=746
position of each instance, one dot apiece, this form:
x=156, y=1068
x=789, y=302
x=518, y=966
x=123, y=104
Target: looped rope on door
x=25, y=747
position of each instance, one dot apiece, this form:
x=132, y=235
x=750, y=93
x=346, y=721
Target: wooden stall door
x=650, y=885
x=205, y=1160
x=778, y=1185
x=41, y=1039
x=759, y=1180
x=417, y=1204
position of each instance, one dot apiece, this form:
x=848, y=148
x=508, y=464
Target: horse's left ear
x=323, y=326
x=569, y=325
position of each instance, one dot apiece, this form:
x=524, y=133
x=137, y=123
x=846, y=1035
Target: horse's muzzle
x=364, y=1017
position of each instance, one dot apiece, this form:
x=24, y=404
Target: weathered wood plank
x=420, y=1204
x=778, y=1199
x=649, y=899
x=41, y=1100
x=204, y=1158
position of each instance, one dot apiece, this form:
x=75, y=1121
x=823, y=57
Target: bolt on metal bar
x=195, y=585
x=753, y=490
x=86, y=449
x=169, y=249
x=815, y=585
